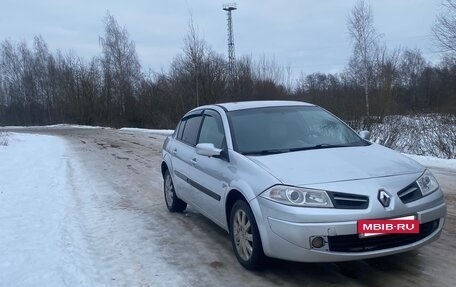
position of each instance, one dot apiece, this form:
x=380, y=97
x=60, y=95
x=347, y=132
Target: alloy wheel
x=243, y=236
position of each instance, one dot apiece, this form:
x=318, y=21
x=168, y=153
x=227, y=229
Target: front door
x=209, y=174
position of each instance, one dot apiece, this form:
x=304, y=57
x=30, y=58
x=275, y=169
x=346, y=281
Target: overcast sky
x=307, y=35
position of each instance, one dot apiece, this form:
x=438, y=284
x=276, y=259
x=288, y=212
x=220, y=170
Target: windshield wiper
x=276, y=151
x=318, y=146
x=266, y=152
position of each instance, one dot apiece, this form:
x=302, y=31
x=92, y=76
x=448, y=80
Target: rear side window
x=191, y=129
x=180, y=130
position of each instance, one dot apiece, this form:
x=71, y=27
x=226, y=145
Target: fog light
x=318, y=242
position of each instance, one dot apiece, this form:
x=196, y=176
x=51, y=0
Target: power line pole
x=231, y=55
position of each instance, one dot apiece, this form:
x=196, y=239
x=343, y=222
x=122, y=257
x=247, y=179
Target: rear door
x=183, y=151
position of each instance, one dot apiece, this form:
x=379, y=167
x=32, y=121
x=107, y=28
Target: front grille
x=410, y=193
x=349, y=201
x=353, y=243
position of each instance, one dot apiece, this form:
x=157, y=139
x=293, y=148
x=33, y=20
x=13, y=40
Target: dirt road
x=164, y=249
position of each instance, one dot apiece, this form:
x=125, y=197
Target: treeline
x=400, y=83
x=39, y=87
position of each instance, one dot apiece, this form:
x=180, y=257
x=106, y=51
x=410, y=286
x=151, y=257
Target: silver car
x=290, y=180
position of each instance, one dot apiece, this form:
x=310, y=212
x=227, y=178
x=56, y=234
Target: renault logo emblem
x=384, y=197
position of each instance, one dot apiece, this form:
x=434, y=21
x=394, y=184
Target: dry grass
x=3, y=139
x=426, y=134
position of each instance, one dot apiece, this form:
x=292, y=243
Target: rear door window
x=179, y=130
x=191, y=129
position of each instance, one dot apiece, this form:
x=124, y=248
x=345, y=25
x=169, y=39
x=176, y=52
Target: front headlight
x=298, y=196
x=427, y=183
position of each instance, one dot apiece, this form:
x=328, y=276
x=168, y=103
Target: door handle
x=193, y=161
x=175, y=151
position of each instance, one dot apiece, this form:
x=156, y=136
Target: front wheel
x=245, y=236
x=173, y=203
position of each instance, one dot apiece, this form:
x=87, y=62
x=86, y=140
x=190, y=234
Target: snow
x=37, y=243
x=434, y=162
x=165, y=132
x=63, y=225
x=151, y=131
x=75, y=126
x=62, y=126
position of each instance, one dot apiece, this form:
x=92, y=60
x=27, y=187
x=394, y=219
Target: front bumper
x=287, y=235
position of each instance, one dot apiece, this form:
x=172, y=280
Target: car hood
x=336, y=164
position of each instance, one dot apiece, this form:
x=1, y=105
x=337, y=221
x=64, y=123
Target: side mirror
x=366, y=135
x=207, y=149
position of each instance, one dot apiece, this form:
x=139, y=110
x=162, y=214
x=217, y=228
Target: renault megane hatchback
x=290, y=180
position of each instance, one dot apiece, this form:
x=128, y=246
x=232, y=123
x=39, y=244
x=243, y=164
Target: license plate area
x=378, y=227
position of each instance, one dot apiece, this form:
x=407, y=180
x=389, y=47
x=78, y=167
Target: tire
x=173, y=203
x=245, y=236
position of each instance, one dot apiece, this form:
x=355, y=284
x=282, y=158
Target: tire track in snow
x=78, y=249
x=109, y=225
x=39, y=243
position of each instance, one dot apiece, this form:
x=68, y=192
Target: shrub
x=3, y=139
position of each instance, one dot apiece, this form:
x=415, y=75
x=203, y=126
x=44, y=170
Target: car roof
x=234, y=106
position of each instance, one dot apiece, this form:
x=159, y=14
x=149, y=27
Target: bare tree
x=411, y=68
x=268, y=69
x=386, y=76
x=444, y=29
x=3, y=99
x=195, y=49
x=242, y=85
x=121, y=67
x=10, y=66
x=198, y=76
x=364, y=36
x=41, y=75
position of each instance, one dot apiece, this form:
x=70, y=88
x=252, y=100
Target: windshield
x=260, y=131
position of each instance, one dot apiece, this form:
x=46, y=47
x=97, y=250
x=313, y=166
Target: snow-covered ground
x=69, y=126
x=39, y=237
x=61, y=226
x=65, y=222
x=62, y=126
x=434, y=162
x=151, y=131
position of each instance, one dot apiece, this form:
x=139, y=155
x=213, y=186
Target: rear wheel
x=173, y=203
x=245, y=236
